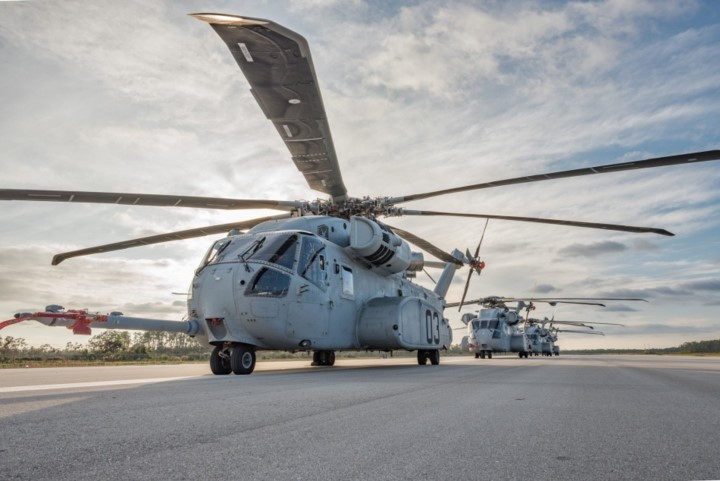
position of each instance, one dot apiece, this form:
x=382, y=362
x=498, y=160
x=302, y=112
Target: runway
x=566, y=418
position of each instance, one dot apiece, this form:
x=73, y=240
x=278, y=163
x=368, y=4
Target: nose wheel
x=239, y=359
x=220, y=361
x=242, y=359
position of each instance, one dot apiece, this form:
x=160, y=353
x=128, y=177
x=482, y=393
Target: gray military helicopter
x=499, y=327
x=542, y=339
x=323, y=276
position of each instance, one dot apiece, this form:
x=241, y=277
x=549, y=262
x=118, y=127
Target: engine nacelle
x=512, y=318
x=385, y=252
x=467, y=317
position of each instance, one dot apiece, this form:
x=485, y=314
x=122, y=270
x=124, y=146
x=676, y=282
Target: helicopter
x=501, y=328
x=542, y=339
x=326, y=274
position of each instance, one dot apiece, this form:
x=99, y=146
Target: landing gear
x=242, y=359
x=323, y=358
x=489, y=354
x=477, y=355
x=220, y=361
x=425, y=355
x=482, y=354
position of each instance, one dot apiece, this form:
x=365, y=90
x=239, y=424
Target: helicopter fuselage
x=495, y=330
x=306, y=284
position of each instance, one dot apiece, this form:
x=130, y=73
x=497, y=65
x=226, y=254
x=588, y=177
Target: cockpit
x=280, y=255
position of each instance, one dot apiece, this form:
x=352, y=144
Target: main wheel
x=316, y=358
x=489, y=354
x=330, y=359
x=477, y=355
x=422, y=357
x=242, y=359
x=482, y=354
x=434, y=356
x=220, y=361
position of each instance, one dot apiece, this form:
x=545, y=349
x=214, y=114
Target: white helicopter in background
x=324, y=275
x=501, y=328
x=542, y=339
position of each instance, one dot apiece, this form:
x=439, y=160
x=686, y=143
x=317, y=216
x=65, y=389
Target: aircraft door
x=308, y=320
x=343, y=311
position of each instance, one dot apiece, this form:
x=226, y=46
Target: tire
x=434, y=356
x=242, y=360
x=316, y=358
x=330, y=359
x=482, y=354
x=220, y=364
x=422, y=357
x=477, y=355
x=489, y=354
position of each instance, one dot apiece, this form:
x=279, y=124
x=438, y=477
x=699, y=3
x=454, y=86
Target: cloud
x=592, y=250
x=619, y=308
x=544, y=288
x=420, y=96
x=712, y=285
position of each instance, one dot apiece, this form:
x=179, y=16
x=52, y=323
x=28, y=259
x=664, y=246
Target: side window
x=312, y=261
x=347, y=282
x=269, y=283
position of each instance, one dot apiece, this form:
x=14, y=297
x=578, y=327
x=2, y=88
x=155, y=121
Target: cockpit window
x=278, y=249
x=269, y=283
x=493, y=324
x=476, y=324
x=311, y=264
x=214, y=254
x=483, y=324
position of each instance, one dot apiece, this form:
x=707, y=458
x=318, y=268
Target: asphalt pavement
x=563, y=418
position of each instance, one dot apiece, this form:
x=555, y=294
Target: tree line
x=694, y=347
x=110, y=346
x=118, y=346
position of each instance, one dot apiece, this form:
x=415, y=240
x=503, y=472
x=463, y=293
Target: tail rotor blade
x=477, y=251
x=467, y=284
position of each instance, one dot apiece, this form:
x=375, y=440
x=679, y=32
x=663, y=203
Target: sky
x=137, y=96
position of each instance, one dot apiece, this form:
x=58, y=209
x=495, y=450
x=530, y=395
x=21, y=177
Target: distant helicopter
x=323, y=276
x=542, y=339
x=501, y=328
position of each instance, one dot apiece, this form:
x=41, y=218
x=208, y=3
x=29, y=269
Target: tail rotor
x=476, y=265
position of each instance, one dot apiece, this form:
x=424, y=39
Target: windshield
x=278, y=249
x=312, y=261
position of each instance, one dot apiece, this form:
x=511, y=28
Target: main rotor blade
x=690, y=158
x=167, y=237
x=596, y=333
x=551, y=302
x=276, y=62
x=539, y=220
x=425, y=245
x=565, y=300
x=146, y=199
x=585, y=323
